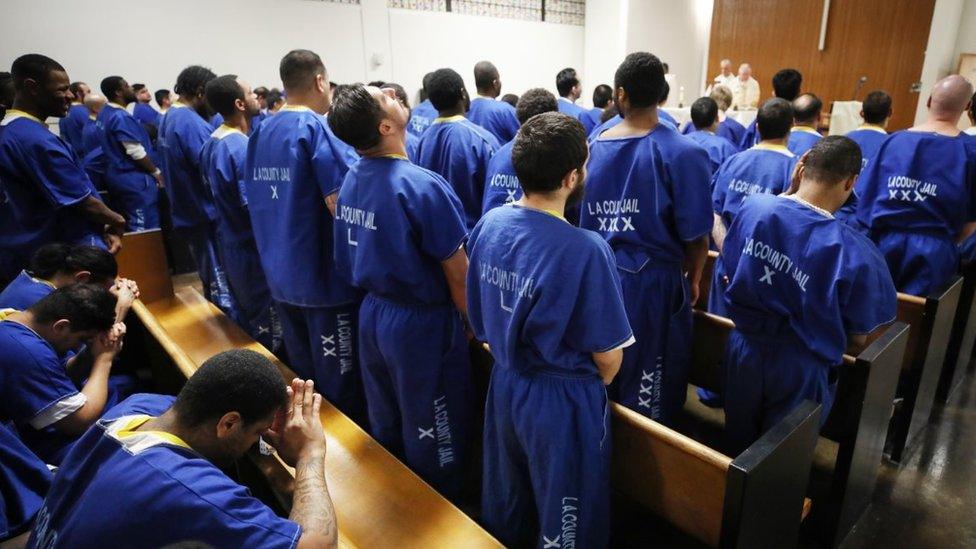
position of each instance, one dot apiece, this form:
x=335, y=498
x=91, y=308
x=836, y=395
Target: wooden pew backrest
x=143, y=259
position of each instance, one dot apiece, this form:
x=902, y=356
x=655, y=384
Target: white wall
x=605, y=43
x=940, y=52
x=152, y=43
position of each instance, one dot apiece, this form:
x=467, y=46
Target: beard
x=576, y=196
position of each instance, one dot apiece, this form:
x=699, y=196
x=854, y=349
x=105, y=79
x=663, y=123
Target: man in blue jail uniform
x=647, y=195
x=602, y=99
x=93, y=159
x=164, y=101
x=399, y=235
x=806, y=118
x=498, y=117
x=182, y=133
x=728, y=128
x=546, y=298
x=663, y=114
x=142, y=110
x=569, y=87
x=606, y=125
x=131, y=177
x=46, y=195
x=72, y=125
x=764, y=168
x=917, y=197
x=24, y=481
x=876, y=111
x=453, y=146
x=786, y=85
x=150, y=473
x=57, y=265
x=424, y=113
x=38, y=396
x=222, y=162
x=294, y=169
x=502, y=184
x=803, y=288
x=704, y=117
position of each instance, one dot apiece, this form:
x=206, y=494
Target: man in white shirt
x=745, y=89
x=725, y=78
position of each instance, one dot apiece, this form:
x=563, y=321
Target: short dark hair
x=511, y=99
x=138, y=87
x=355, y=117
x=56, y=257
x=704, y=112
x=399, y=91
x=972, y=106
x=85, y=306
x=602, y=95
x=484, y=74
x=160, y=95
x=876, y=107
x=239, y=380
x=192, y=81
x=533, y=102
x=609, y=113
x=786, y=84
x=665, y=92
x=261, y=91
x=75, y=88
x=642, y=77
x=222, y=93
x=833, y=159
x=299, y=68
x=445, y=88
x=566, y=80
x=273, y=99
x=774, y=119
x=807, y=107
x=33, y=66
x=6, y=92
x=547, y=147
x=111, y=85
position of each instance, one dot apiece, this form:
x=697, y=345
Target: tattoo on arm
x=311, y=504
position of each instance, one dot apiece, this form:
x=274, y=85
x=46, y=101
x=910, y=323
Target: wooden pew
x=754, y=500
x=378, y=500
x=960, y=349
x=858, y=420
x=930, y=319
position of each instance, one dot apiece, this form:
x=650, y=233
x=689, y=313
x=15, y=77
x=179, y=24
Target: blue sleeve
x=867, y=298
x=192, y=143
x=512, y=124
x=587, y=122
x=238, y=157
x=689, y=175
x=37, y=384
x=330, y=160
x=62, y=180
x=599, y=320
x=437, y=218
x=866, y=191
x=124, y=128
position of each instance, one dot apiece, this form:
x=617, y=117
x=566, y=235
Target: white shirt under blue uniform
x=294, y=162
x=718, y=148
x=648, y=195
x=72, y=125
x=222, y=161
x=498, y=117
x=802, y=139
x=129, y=488
x=459, y=151
x=545, y=296
x=395, y=224
x=35, y=390
x=41, y=181
x=133, y=190
x=914, y=198
x=800, y=282
x=421, y=117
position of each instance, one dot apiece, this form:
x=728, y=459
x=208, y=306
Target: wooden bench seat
x=378, y=500
x=962, y=340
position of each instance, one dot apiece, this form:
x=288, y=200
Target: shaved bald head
x=486, y=79
x=94, y=103
x=950, y=97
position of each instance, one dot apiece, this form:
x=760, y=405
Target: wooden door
x=883, y=40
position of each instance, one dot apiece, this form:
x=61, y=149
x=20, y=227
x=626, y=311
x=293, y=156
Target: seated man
x=36, y=391
x=148, y=473
x=453, y=146
x=546, y=297
x=704, y=116
x=876, y=111
x=399, y=235
x=486, y=111
x=917, y=198
x=803, y=287
x=502, y=184
x=728, y=127
x=806, y=114
x=764, y=168
x=24, y=480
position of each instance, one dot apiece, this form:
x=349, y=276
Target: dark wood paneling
x=884, y=40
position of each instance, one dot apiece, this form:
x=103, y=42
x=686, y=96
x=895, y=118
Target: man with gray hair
x=725, y=77
x=745, y=89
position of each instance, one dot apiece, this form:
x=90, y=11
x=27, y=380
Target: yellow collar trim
x=295, y=108
x=553, y=213
x=15, y=113
x=873, y=127
x=225, y=129
x=805, y=129
x=115, y=105
x=178, y=106
x=92, y=117
x=395, y=156
x=775, y=148
x=447, y=119
x=4, y=313
x=129, y=430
